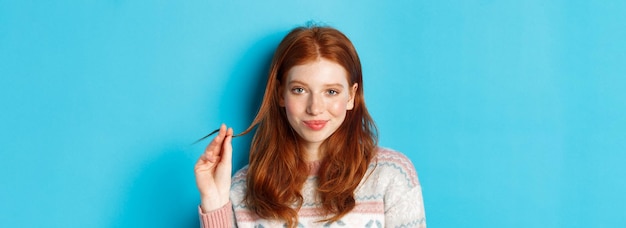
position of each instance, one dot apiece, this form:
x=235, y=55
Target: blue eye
x=297, y=90
x=333, y=92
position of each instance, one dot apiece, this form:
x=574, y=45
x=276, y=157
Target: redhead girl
x=314, y=158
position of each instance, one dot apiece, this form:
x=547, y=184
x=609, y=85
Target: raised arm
x=213, y=174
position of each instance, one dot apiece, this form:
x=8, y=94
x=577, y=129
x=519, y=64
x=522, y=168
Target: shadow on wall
x=163, y=193
x=244, y=91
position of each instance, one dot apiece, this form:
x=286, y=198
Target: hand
x=213, y=171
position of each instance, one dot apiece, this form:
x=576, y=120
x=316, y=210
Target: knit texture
x=390, y=195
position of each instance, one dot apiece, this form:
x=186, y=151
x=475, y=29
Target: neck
x=312, y=152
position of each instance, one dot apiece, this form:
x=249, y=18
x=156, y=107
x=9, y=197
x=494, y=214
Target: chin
x=315, y=138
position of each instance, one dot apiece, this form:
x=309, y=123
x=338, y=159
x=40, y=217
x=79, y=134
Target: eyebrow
x=326, y=85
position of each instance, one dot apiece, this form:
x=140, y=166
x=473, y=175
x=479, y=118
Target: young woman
x=314, y=159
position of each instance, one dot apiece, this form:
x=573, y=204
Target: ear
x=353, y=90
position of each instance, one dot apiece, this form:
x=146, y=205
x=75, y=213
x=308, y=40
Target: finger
x=211, y=158
x=227, y=153
x=207, y=159
x=216, y=143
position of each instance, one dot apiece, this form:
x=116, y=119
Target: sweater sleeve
x=404, y=205
x=220, y=218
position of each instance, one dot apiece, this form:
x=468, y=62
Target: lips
x=315, y=125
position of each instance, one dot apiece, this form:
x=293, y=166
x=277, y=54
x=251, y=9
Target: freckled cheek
x=293, y=106
x=338, y=107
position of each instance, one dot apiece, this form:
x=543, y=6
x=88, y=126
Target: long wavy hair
x=277, y=169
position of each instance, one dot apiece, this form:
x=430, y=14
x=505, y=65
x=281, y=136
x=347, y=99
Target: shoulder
x=240, y=177
x=238, y=183
x=238, y=188
x=395, y=164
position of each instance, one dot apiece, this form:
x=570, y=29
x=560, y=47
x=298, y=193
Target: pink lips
x=315, y=125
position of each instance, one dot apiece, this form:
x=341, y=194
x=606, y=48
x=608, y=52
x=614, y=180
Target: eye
x=297, y=90
x=332, y=92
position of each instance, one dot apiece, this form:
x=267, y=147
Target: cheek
x=293, y=106
x=338, y=107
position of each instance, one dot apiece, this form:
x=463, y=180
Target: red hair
x=277, y=169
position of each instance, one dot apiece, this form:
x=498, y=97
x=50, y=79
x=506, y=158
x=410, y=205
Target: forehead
x=320, y=71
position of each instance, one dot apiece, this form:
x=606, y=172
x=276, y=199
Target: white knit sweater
x=390, y=197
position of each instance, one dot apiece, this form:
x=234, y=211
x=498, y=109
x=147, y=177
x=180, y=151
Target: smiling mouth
x=315, y=125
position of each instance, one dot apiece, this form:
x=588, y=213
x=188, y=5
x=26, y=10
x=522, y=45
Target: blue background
x=512, y=111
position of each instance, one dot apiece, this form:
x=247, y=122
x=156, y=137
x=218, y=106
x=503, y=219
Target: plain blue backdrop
x=513, y=112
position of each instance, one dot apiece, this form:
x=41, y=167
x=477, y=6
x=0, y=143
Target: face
x=316, y=97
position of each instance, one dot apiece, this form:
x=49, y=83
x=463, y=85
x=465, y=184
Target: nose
x=315, y=105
